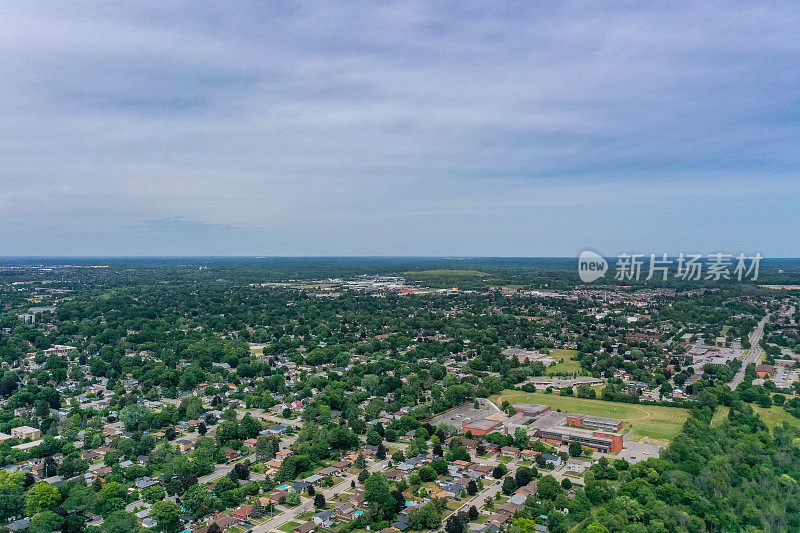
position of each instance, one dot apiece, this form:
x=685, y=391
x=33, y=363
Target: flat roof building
x=481, y=426
x=598, y=440
x=764, y=371
x=558, y=383
x=26, y=432
x=531, y=409
x=60, y=350
x=594, y=422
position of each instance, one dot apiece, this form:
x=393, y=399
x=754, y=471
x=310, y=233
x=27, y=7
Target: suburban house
x=243, y=512
x=573, y=465
x=529, y=454
x=552, y=460
x=306, y=527
x=509, y=451
x=325, y=518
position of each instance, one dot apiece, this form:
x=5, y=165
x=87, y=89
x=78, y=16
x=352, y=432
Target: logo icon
x=591, y=266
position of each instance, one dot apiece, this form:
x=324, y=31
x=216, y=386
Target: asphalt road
x=753, y=354
x=491, y=488
x=307, y=505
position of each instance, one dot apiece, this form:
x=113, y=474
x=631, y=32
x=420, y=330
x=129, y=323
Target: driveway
x=307, y=505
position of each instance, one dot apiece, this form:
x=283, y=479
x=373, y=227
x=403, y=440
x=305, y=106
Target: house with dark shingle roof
x=401, y=523
x=307, y=527
x=324, y=518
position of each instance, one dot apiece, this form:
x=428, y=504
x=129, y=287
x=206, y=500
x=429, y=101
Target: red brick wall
x=465, y=427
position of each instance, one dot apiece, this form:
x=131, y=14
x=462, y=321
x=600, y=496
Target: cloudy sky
x=409, y=128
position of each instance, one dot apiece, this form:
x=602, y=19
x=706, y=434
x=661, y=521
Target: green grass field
x=719, y=415
x=650, y=421
x=565, y=364
x=444, y=278
x=288, y=526
x=446, y=273
x=772, y=416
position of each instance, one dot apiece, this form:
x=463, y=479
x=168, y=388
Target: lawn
x=482, y=518
x=453, y=505
x=565, y=363
x=343, y=496
x=651, y=421
x=772, y=416
x=288, y=526
x=336, y=481
x=430, y=486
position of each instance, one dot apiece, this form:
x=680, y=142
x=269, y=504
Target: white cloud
x=439, y=125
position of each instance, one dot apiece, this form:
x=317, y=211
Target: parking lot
x=633, y=452
x=454, y=417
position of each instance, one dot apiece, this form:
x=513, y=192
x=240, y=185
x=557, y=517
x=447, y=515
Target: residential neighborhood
x=257, y=417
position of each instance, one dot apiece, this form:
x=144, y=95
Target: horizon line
x=451, y=257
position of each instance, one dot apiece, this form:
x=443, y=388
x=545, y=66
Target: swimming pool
x=284, y=487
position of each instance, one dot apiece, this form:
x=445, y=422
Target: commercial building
x=765, y=371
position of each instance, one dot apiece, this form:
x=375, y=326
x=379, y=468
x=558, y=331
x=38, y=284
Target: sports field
x=565, y=364
x=650, y=421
